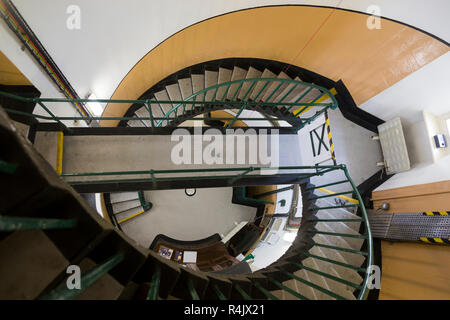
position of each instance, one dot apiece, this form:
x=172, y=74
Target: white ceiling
x=116, y=34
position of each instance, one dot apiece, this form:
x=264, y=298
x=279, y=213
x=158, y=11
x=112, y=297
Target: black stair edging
x=352, y=112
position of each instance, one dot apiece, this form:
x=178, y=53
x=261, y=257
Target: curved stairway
x=221, y=84
x=329, y=259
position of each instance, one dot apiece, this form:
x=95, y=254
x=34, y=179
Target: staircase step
x=185, y=88
x=289, y=91
x=143, y=113
x=339, y=227
x=273, y=92
x=343, y=272
x=125, y=205
x=252, y=73
x=105, y=288
x=335, y=286
x=198, y=84
x=30, y=261
x=211, y=78
x=123, y=196
x=164, y=96
x=136, y=123
x=262, y=84
x=174, y=93
x=127, y=213
x=224, y=76
x=238, y=74
x=302, y=288
x=317, y=279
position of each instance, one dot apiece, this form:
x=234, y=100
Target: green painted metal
x=287, y=289
x=301, y=97
x=369, y=261
x=329, y=276
x=64, y=293
x=266, y=292
x=19, y=223
x=327, y=185
x=7, y=167
x=337, y=234
x=242, y=292
x=330, y=195
x=142, y=200
x=340, y=248
x=306, y=106
x=321, y=140
x=315, y=286
x=192, y=291
x=178, y=108
x=154, y=285
x=219, y=293
x=268, y=193
x=334, y=207
x=342, y=264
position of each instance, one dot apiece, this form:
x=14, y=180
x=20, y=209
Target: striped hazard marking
x=435, y=240
x=436, y=213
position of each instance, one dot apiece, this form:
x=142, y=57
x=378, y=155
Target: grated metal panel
x=393, y=146
x=409, y=226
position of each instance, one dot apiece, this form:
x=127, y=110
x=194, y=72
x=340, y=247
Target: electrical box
x=439, y=140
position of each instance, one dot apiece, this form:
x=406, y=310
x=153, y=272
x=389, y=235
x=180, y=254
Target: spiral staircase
x=329, y=259
x=236, y=85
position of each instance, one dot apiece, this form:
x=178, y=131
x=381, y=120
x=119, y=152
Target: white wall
x=425, y=89
x=115, y=34
x=421, y=174
x=11, y=47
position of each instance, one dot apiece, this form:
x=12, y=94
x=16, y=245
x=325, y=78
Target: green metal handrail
x=178, y=108
x=301, y=172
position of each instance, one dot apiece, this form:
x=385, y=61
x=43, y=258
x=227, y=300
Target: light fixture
x=95, y=107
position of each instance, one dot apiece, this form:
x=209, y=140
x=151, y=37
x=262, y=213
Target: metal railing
x=290, y=94
x=161, y=270
x=61, y=292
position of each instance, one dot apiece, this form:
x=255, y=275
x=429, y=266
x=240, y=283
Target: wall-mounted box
x=440, y=141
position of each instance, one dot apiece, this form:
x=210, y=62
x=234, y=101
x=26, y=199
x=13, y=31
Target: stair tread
x=125, y=205
x=163, y=96
x=123, y=196
x=185, y=87
x=260, y=84
x=272, y=90
x=238, y=74
x=252, y=73
x=211, y=78
x=136, y=123
x=344, y=273
x=223, y=76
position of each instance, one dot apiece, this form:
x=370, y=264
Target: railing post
x=64, y=293
x=7, y=167
x=150, y=113
x=244, y=105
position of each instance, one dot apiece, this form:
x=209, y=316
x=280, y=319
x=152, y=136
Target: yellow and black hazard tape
x=333, y=155
x=435, y=240
x=436, y=213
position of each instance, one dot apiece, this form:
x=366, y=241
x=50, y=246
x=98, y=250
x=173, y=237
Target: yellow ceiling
x=9, y=74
